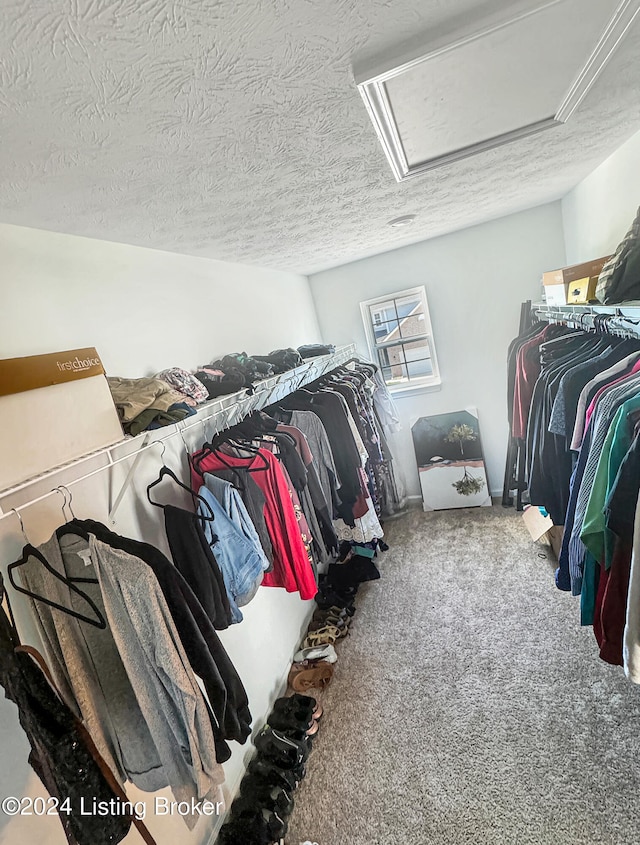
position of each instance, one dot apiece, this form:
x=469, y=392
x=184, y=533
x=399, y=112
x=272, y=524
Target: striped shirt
x=603, y=415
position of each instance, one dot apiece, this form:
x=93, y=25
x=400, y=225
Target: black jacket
x=194, y=558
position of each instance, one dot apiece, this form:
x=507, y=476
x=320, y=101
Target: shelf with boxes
x=218, y=414
x=573, y=285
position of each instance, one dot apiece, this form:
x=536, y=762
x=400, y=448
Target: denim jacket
x=231, y=501
x=241, y=562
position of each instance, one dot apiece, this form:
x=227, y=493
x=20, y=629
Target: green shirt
x=595, y=535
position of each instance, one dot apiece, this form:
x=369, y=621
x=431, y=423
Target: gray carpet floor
x=468, y=706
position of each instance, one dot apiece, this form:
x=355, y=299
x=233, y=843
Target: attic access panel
x=490, y=85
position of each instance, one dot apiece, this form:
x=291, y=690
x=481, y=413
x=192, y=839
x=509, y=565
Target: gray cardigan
x=132, y=683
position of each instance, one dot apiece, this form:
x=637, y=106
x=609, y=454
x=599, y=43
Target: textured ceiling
x=233, y=128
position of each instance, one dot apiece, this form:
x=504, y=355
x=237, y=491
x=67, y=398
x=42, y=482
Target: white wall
x=600, y=209
x=475, y=281
x=143, y=310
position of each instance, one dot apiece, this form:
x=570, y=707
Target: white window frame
x=416, y=383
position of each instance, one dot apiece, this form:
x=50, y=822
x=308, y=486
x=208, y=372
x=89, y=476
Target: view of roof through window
x=401, y=338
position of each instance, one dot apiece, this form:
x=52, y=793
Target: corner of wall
x=598, y=211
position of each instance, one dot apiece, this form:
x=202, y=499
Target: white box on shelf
x=53, y=409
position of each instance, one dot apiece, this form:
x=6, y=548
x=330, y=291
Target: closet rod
x=312, y=371
x=623, y=323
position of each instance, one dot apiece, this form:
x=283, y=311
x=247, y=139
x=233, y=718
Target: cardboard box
x=53, y=409
x=542, y=529
x=555, y=294
x=537, y=524
x=576, y=271
x=554, y=535
x=560, y=286
x=582, y=291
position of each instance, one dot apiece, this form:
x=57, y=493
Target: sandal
x=334, y=610
x=322, y=652
x=328, y=634
x=340, y=624
x=318, y=676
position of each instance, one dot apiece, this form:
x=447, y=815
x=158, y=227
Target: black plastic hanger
x=31, y=551
x=249, y=447
x=239, y=436
x=165, y=471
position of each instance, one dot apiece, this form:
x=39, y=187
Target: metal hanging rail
x=224, y=412
x=623, y=321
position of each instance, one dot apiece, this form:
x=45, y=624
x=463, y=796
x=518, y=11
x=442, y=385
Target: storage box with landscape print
x=450, y=461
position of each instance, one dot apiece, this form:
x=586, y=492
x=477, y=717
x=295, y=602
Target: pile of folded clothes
x=144, y=404
x=171, y=395
x=232, y=373
x=281, y=360
x=314, y=350
x=192, y=389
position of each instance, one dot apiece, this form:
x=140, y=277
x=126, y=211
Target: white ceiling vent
x=490, y=84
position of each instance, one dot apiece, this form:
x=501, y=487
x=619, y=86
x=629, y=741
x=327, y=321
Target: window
x=400, y=338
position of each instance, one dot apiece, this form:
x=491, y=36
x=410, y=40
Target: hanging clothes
x=291, y=568
x=295, y=473
x=317, y=506
x=583, y=466
x=331, y=410
x=73, y=651
x=253, y=499
x=229, y=497
x=631, y=648
x=59, y=755
x=611, y=609
x=241, y=560
x=345, y=411
x=366, y=526
x=226, y=695
x=310, y=424
x=195, y=560
x=154, y=733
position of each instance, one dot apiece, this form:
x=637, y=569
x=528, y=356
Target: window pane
x=396, y=374
x=417, y=349
x=413, y=324
x=411, y=313
x=407, y=305
x=393, y=364
x=391, y=355
x=382, y=312
x=386, y=331
x=420, y=369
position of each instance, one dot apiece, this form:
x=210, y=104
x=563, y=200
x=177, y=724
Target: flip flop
x=318, y=676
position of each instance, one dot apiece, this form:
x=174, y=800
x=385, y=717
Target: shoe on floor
x=302, y=705
x=321, y=652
